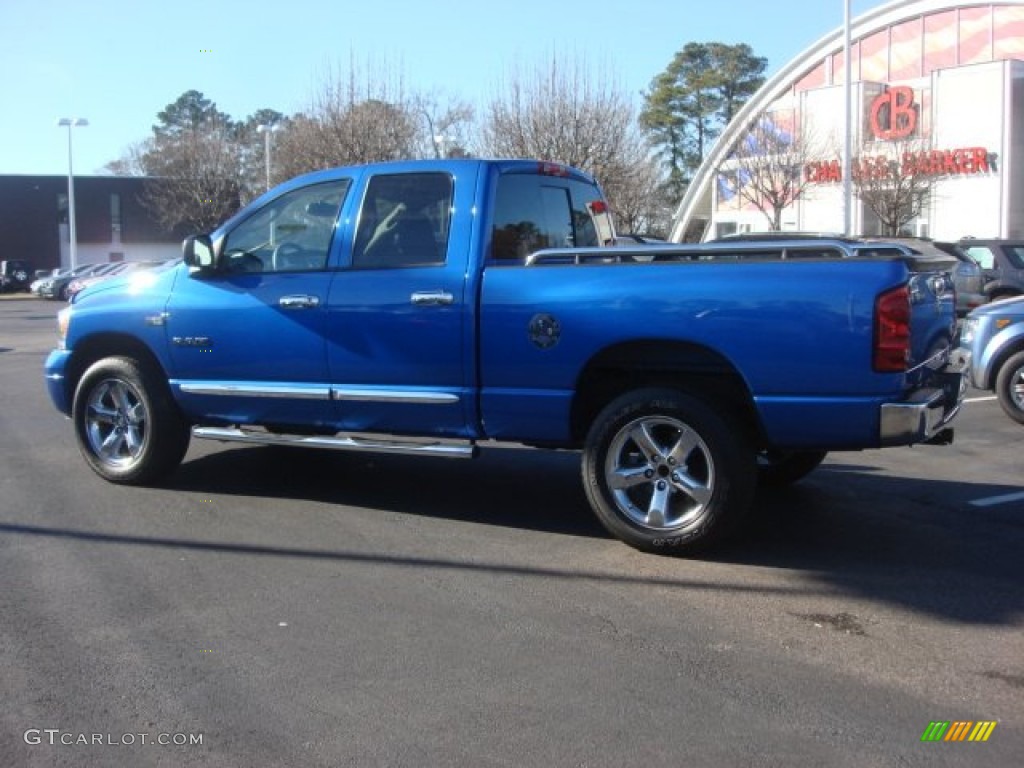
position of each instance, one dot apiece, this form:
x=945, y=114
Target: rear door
x=400, y=313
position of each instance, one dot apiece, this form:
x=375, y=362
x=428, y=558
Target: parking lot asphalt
x=321, y=609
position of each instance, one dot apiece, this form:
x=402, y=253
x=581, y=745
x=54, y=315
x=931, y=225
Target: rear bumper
x=927, y=412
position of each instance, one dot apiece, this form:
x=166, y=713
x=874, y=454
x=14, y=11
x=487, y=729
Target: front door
x=247, y=341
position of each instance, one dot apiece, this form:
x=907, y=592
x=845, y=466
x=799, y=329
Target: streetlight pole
x=847, y=129
x=266, y=130
x=73, y=249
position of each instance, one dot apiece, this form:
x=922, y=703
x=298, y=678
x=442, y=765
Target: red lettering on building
x=980, y=157
x=893, y=114
x=823, y=172
x=966, y=161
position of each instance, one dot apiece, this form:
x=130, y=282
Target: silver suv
x=968, y=276
x=1002, y=263
x=994, y=335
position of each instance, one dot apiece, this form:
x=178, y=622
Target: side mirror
x=198, y=252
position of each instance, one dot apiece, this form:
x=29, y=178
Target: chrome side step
x=454, y=449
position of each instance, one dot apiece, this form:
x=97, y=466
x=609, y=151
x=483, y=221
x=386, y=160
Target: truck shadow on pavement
x=854, y=528
x=507, y=487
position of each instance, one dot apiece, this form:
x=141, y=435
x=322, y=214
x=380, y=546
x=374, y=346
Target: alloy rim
x=115, y=423
x=660, y=473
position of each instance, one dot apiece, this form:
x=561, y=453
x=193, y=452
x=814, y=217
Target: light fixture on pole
x=439, y=141
x=847, y=129
x=266, y=130
x=72, y=122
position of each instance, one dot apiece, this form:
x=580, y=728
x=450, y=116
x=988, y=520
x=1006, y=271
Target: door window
x=404, y=221
x=983, y=255
x=289, y=234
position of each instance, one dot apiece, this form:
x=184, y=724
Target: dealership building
x=937, y=90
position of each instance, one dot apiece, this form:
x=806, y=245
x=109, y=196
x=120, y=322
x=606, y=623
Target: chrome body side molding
x=452, y=449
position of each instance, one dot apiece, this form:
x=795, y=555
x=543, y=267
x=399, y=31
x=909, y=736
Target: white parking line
x=980, y=399
x=992, y=501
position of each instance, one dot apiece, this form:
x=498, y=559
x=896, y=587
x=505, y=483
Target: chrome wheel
x=116, y=423
x=128, y=426
x=666, y=471
x=660, y=473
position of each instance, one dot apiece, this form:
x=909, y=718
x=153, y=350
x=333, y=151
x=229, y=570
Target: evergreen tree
x=689, y=104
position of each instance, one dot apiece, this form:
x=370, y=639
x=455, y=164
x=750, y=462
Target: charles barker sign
x=893, y=116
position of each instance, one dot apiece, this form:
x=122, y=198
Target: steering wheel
x=384, y=228
x=279, y=258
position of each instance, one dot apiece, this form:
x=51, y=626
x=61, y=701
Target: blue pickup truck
x=425, y=307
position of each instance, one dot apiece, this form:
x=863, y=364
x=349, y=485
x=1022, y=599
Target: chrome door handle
x=298, y=302
x=431, y=298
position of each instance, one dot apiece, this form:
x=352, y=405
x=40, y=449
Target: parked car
x=42, y=277
x=631, y=238
x=994, y=335
x=58, y=288
x=968, y=277
x=1002, y=265
x=15, y=275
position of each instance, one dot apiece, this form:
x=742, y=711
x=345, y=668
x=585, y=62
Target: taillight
x=892, y=331
x=552, y=169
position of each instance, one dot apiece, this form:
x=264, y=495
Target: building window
x=115, y=217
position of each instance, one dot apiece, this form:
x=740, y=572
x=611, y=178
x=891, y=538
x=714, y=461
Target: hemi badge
x=157, y=319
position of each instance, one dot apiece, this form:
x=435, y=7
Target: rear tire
x=665, y=472
x=129, y=428
x=1010, y=387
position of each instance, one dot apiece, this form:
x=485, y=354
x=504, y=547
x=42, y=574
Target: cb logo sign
x=893, y=114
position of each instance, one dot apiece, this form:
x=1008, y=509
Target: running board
x=452, y=450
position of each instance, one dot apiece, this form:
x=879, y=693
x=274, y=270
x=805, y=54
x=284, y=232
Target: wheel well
x=1003, y=294
x=689, y=368
x=1000, y=360
x=93, y=348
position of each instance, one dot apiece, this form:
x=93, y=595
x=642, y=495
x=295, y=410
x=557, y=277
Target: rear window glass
x=534, y=212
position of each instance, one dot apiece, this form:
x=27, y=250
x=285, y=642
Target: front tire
x=665, y=472
x=129, y=428
x=1010, y=387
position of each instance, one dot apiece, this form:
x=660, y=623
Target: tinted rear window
x=534, y=212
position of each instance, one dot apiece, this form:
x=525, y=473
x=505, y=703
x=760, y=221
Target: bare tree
x=766, y=167
x=446, y=127
x=897, y=183
x=352, y=119
x=567, y=114
x=196, y=179
x=132, y=161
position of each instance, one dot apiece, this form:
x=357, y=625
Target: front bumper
x=925, y=415
x=54, y=371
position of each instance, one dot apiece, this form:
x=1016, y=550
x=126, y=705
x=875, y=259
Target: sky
x=117, y=63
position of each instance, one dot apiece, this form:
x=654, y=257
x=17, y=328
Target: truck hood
x=129, y=286
x=1014, y=306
